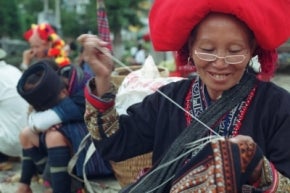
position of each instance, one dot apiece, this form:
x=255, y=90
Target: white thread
x=160, y=92
x=193, y=147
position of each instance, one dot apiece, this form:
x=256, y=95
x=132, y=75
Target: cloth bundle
x=45, y=93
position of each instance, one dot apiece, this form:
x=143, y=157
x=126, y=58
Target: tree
x=31, y=8
x=121, y=14
x=9, y=19
x=16, y=16
x=75, y=24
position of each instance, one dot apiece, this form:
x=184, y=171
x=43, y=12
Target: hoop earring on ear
x=189, y=61
x=190, y=67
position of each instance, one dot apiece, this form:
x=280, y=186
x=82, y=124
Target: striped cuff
x=102, y=103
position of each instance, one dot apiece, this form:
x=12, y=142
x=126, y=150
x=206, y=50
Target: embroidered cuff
x=100, y=103
x=101, y=125
x=269, y=177
x=109, y=123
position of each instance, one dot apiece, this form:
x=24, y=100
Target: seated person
x=55, y=125
x=13, y=111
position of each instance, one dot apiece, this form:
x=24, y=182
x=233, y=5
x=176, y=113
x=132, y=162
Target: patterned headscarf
x=47, y=34
x=76, y=77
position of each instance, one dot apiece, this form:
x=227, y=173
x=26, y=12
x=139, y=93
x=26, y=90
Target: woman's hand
x=27, y=57
x=247, y=142
x=97, y=55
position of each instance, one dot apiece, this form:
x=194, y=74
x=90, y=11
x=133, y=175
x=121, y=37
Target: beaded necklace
x=195, y=103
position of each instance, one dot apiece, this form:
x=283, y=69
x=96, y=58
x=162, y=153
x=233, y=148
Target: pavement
x=282, y=79
x=9, y=181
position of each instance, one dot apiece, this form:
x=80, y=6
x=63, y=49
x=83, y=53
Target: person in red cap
x=44, y=43
x=223, y=130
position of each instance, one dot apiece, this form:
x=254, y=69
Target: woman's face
x=221, y=35
x=38, y=46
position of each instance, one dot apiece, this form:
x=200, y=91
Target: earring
x=189, y=61
x=255, y=64
x=189, y=65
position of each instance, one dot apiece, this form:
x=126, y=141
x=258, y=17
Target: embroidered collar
x=197, y=100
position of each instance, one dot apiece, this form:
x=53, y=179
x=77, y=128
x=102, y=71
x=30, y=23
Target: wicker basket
x=127, y=171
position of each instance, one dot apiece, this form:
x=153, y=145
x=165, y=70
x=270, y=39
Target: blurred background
x=127, y=20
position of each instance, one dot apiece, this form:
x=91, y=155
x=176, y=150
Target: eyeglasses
x=230, y=59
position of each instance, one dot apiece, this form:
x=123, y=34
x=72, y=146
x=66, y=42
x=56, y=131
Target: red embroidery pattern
x=188, y=100
x=241, y=115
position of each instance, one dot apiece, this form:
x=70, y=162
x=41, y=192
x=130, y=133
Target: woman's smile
x=219, y=77
x=221, y=52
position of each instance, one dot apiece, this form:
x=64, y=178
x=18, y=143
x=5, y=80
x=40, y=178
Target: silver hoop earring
x=189, y=61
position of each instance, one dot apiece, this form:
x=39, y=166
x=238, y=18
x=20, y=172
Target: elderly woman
x=231, y=135
x=44, y=43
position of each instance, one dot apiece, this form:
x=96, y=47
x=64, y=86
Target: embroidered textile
x=198, y=100
x=221, y=167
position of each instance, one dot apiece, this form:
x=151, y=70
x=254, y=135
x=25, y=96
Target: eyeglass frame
x=219, y=57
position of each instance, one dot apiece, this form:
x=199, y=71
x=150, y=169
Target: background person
x=13, y=112
x=44, y=43
x=56, y=126
x=140, y=55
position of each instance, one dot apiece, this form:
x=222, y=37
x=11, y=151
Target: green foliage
x=74, y=24
x=29, y=12
x=16, y=16
x=122, y=13
x=9, y=19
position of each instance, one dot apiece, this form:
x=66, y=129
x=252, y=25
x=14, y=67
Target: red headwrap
x=44, y=31
x=47, y=34
x=171, y=22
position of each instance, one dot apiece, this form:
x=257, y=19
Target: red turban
x=171, y=22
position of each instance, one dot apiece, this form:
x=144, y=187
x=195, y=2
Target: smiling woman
x=224, y=35
x=222, y=130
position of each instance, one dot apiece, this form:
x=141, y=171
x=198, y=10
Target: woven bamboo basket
x=127, y=171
